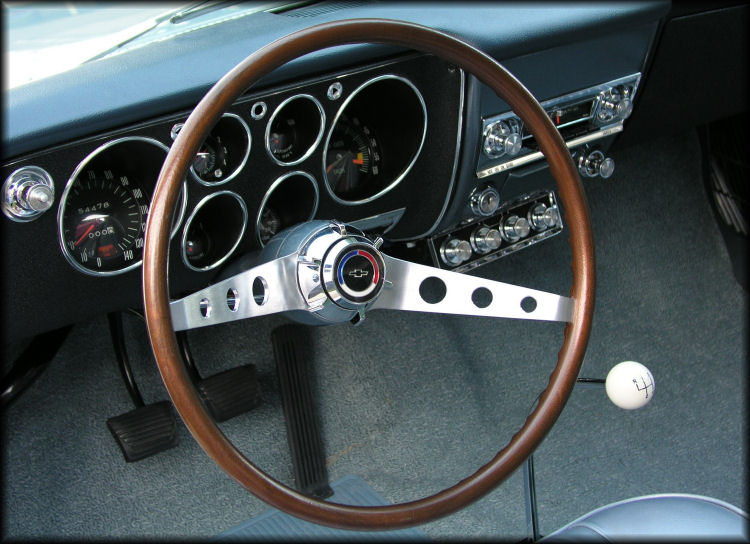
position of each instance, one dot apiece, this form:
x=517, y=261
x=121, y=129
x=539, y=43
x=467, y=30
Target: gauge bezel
x=318, y=138
x=243, y=162
x=189, y=220
x=274, y=186
x=399, y=178
x=69, y=184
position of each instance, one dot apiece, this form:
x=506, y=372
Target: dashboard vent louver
x=320, y=8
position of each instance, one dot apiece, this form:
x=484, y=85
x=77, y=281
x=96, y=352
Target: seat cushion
x=669, y=516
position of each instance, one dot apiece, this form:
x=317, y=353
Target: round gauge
x=295, y=129
x=269, y=224
x=352, y=160
x=211, y=161
x=224, y=152
x=103, y=221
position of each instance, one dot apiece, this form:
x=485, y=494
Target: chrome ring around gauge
x=222, y=151
x=208, y=245
x=101, y=218
x=290, y=139
x=357, y=143
x=279, y=212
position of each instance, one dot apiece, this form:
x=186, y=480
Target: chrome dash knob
x=542, y=218
x=455, y=251
x=485, y=239
x=514, y=228
x=595, y=164
x=27, y=193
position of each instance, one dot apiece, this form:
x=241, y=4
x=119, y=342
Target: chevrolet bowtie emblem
x=358, y=273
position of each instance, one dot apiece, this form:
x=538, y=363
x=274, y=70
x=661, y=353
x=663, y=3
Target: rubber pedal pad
x=290, y=346
x=230, y=393
x=145, y=431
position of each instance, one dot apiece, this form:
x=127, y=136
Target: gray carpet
x=413, y=413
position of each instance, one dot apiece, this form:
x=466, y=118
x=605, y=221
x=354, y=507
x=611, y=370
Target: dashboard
x=401, y=144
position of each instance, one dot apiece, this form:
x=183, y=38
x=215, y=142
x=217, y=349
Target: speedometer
x=103, y=223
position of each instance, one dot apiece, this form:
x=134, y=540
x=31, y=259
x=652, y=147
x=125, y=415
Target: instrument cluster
x=340, y=147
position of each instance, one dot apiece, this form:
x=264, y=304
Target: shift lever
x=629, y=385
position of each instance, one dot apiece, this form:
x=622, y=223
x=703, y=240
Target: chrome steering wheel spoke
x=265, y=289
x=465, y=295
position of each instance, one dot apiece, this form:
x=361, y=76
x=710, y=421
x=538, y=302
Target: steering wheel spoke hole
x=233, y=300
x=260, y=291
x=528, y=304
x=481, y=297
x=432, y=290
x=205, y=307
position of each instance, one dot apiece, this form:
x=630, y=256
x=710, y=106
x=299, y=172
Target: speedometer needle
x=91, y=227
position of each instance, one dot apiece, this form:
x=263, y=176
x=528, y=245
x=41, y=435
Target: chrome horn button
x=353, y=273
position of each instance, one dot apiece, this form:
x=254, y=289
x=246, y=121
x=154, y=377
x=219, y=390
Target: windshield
x=44, y=38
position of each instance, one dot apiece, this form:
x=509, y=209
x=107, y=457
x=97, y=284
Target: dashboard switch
x=595, y=164
x=501, y=139
x=455, y=251
x=485, y=239
x=542, y=218
x=514, y=228
x=27, y=193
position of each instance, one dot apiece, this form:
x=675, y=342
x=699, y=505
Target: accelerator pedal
x=145, y=431
x=302, y=427
x=230, y=393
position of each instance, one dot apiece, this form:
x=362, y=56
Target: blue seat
x=666, y=516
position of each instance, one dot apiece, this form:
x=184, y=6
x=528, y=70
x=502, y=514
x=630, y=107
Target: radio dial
x=500, y=139
x=514, y=228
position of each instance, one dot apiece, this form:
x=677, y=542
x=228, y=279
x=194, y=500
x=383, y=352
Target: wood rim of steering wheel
x=156, y=292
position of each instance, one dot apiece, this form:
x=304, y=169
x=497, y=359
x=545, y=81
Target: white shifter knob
x=629, y=385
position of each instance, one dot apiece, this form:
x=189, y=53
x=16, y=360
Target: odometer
x=103, y=221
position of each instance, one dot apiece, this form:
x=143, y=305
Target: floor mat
x=276, y=525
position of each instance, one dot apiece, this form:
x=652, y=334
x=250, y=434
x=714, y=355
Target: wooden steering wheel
x=577, y=310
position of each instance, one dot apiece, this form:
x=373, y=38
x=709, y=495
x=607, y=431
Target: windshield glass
x=45, y=38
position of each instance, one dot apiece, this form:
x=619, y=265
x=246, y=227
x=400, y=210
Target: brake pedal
x=145, y=431
x=230, y=393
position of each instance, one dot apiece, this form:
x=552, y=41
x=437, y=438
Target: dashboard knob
x=485, y=201
x=500, y=139
x=455, y=251
x=27, y=193
x=485, y=239
x=542, y=218
x=514, y=228
x=596, y=164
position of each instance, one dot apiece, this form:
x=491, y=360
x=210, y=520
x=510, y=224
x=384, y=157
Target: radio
x=581, y=117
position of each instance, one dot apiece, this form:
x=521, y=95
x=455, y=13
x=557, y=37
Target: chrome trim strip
x=340, y=111
x=538, y=154
x=273, y=187
x=317, y=138
x=237, y=170
x=197, y=207
x=69, y=184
